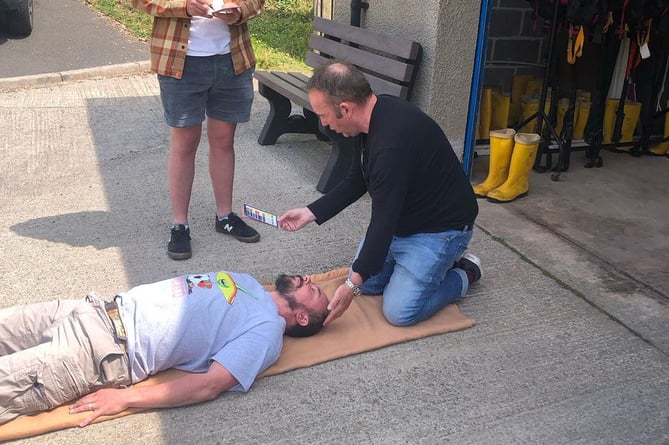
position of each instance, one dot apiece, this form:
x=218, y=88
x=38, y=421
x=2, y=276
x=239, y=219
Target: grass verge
x=279, y=34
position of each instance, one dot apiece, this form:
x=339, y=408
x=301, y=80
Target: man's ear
x=301, y=317
x=345, y=108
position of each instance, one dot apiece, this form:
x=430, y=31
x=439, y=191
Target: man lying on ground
x=222, y=327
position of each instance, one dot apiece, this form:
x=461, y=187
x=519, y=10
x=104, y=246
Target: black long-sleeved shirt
x=414, y=178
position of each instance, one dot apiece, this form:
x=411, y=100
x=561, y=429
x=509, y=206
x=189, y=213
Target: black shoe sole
x=244, y=239
x=253, y=239
x=179, y=255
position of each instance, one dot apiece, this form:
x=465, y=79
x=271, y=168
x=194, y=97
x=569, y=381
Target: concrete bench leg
x=279, y=120
x=338, y=163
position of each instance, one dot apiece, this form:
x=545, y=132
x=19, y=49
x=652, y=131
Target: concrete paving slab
x=618, y=213
x=84, y=206
x=601, y=232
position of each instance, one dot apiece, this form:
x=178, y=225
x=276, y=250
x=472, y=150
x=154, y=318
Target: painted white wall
x=447, y=31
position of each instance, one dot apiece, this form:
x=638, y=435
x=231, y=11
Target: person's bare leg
x=222, y=171
x=221, y=137
x=181, y=169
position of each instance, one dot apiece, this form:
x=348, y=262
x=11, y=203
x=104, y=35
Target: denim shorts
x=208, y=85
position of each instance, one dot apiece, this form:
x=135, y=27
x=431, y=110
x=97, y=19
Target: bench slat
x=280, y=85
x=376, y=64
x=398, y=46
x=293, y=79
x=379, y=85
x=389, y=63
x=301, y=76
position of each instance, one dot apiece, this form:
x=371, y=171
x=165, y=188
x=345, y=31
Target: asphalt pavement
x=68, y=35
x=84, y=206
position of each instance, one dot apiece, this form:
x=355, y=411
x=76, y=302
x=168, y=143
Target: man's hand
x=198, y=8
x=295, y=219
x=230, y=14
x=104, y=402
x=341, y=300
x=188, y=388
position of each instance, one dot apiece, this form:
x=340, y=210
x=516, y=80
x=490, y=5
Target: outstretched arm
x=186, y=390
x=295, y=219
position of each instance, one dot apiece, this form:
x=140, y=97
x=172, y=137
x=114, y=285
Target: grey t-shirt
x=188, y=321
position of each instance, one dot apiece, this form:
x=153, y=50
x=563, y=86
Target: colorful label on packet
x=260, y=215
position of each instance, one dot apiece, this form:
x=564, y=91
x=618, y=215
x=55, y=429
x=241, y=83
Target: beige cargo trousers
x=56, y=352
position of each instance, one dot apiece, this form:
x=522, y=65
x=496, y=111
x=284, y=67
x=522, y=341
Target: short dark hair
x=314, y=326
x=341, y=81
x=285, y=286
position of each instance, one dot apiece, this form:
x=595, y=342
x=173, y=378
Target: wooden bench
x=389, y=63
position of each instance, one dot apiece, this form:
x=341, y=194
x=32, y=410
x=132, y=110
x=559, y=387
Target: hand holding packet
x=226, y=9
x=220, y=7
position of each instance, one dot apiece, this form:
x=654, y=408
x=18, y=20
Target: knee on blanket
x=400, y=318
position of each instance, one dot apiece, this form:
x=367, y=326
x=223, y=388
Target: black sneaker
x=471, y=264
x=233, y=225
x=178, y=248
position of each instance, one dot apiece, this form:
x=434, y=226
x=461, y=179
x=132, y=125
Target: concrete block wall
x=515, y=44
x=447, y=31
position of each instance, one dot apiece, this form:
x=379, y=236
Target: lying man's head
x=305, y=306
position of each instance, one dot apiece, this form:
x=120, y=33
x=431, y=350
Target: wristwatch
x=355, y=289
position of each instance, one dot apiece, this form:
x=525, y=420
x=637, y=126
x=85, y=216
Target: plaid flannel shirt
x=171, y=28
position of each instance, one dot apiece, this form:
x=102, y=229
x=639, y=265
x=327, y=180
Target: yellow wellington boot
x=583, y=95
x=501, y=106
x=522, y=160
x=518, y=88
x=485, y=112
x=501, y=146
x=529, y=105
x=562, y=106
x=534, y=87
x=632, y=113
x=662, y=147
x=610, y=110
x=581, y=116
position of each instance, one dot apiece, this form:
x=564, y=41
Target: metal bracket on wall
x=356, y=11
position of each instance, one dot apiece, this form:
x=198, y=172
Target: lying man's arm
x=186, y=390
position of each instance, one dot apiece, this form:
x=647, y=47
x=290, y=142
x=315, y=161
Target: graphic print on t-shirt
x=227, y=286
x=199, y=281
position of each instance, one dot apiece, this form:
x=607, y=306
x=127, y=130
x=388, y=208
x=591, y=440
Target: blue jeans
x=417, y=278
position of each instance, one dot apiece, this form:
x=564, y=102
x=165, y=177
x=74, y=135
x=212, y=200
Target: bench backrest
x=389, y=63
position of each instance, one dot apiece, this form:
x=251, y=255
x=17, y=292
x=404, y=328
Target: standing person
x=223, y=328
x=205, y=63
x=423, y=206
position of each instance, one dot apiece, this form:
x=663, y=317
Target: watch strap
x=355, y=289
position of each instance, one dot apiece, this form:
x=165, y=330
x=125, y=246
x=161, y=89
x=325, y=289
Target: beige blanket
x=361, y=328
